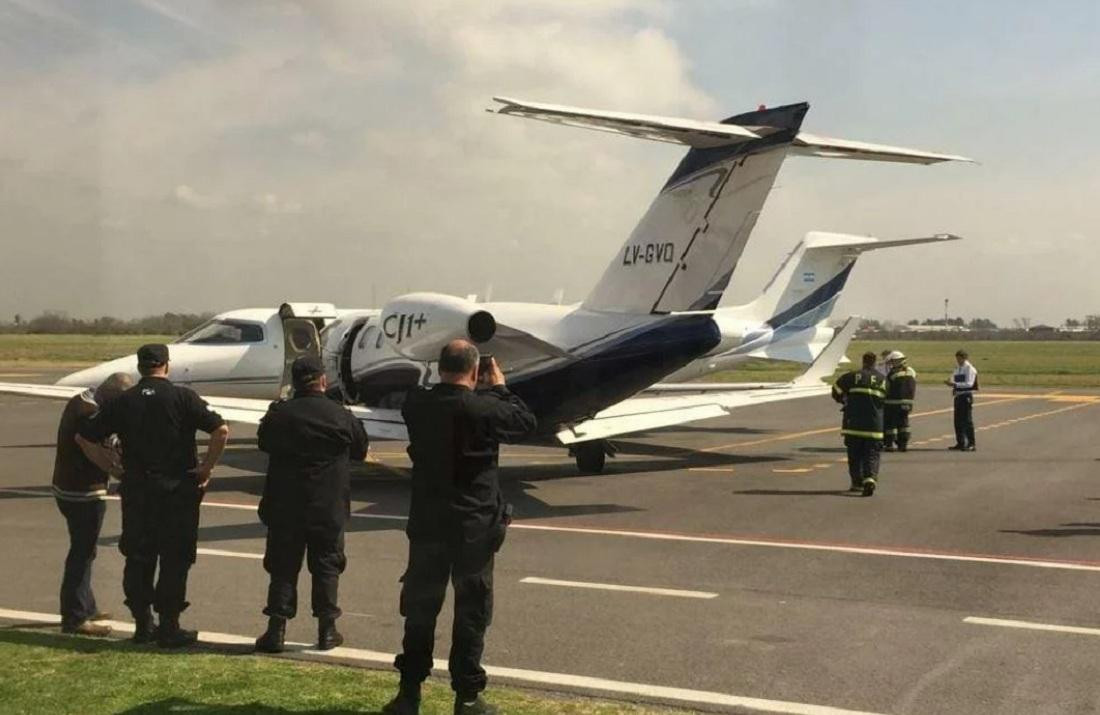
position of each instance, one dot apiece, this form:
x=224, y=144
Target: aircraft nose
x=88, y=377
x=93, y=376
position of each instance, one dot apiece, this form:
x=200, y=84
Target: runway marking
x=827, y=430
x=221, y=552
x=22, y=374
x=518, y=676
x=614, y=587
x=913, y=553
x=711, y=469
x=796, y=470
x=1027, y=625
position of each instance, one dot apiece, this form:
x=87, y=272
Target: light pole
x=945, y=313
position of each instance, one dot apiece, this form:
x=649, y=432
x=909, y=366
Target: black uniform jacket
x=156, y=422
x=310, y=440
x=901, y=386
x=862, y=393
x=454, y=442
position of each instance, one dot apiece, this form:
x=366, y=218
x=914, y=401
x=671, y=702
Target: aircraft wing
x=48, y=392
x=379, y=423
x=689, y=402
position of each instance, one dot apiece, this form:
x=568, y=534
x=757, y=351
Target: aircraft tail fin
x=682, y=253
x=805, y=289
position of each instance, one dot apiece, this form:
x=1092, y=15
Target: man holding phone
x=457, y=518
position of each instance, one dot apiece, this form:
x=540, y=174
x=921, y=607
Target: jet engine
x=418, y=325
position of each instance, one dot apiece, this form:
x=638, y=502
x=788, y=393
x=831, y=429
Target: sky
x=202, y=156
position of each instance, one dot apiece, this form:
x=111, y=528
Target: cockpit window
x=224, y=332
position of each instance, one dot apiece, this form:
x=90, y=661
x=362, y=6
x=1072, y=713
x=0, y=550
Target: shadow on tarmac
x=172, y=705
x=799, y=493
x=1070, y=529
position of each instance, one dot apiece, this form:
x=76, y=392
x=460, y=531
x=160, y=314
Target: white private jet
x=582, y=367
x=240, y=353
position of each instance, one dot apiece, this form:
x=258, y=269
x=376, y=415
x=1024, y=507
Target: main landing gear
x=591, y=456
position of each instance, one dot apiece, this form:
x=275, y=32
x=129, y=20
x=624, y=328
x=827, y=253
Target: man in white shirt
x=963, y=384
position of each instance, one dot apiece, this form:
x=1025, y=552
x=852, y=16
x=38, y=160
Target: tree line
x=54, y=322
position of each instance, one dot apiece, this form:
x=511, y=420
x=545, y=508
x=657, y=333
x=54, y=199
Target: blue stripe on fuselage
x=611, y=373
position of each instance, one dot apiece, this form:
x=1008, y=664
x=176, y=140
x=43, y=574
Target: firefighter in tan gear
x=901, y=389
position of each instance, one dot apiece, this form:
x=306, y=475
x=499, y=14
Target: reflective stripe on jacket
x=862, y=393
x=901, y=386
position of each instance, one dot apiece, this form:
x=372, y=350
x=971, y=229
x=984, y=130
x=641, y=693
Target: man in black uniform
x=307, y=500
x=161, y=489
x=901, y=390
x=862, y=393
x=457, y=520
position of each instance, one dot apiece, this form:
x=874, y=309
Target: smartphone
x=485, y=365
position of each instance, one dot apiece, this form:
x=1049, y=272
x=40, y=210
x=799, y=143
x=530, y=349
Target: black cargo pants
x=160, y=526
x=323, y=550
x=469, y=567
x=964, y=420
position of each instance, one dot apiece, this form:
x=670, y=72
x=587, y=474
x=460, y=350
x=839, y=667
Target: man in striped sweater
x=80, y=476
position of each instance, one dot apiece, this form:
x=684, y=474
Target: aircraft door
x=300, y=337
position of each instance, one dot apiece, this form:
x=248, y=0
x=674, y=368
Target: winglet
x=826, y=363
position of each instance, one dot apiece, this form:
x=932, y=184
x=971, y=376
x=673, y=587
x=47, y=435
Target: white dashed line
x=616, y=587
x=1029, y=626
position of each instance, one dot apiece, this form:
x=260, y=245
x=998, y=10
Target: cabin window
x=224, y=332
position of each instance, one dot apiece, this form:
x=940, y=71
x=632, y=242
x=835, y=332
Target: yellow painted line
x=828, y=430
x=22, y=374
x=792, y=471
x=822, y=466
x=710, y=469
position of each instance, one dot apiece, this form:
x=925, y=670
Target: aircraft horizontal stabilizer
x=806, y=144
x=674, y=130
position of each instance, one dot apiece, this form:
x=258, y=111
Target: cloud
x=187, y=196
x=370, y=115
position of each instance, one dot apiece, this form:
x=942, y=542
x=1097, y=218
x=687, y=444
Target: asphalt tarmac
x=718, y=565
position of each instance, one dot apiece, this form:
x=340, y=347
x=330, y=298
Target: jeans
x=84, y=519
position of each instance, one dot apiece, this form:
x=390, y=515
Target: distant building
x=1042, y=329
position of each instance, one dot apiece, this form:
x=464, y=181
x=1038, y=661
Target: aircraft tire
x=591, y=457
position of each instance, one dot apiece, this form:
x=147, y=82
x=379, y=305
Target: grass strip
x=46, y=672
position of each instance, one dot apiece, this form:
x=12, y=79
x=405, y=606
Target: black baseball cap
x=152, y=354
x=306, y=369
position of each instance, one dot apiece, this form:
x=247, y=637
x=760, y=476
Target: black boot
x=274, y=638
x=170, y=635
x=406, y=702
x=327, y=635
x=473, y=705
x=145, y=628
